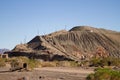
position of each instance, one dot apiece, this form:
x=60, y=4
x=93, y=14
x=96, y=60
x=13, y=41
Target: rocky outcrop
x=81, y=42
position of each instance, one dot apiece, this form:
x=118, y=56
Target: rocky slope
x=79, y=43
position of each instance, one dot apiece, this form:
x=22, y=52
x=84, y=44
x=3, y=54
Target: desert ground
x=46, y=73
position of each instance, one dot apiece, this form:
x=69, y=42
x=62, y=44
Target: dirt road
x=47, y=73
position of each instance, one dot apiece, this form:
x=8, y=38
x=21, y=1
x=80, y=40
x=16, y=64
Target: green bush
x=104, y=74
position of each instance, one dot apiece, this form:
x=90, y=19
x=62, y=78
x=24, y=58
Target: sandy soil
x=47, y=73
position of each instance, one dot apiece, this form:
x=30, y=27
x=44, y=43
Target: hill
x=79, y=43
x=3, y=50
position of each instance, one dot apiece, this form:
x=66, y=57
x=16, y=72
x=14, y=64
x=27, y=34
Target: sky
x=22, y=20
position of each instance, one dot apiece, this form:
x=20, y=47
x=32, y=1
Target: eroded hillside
x=81, y=42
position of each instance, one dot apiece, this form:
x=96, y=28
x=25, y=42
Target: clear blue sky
x=20, y=19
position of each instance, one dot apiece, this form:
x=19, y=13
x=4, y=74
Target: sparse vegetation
x=15, y=60
x=67, y=64
x=47, y=64
x=108, y=61
x=2, y=62
x=32, y=63
x=59, y=64
x=104, y=74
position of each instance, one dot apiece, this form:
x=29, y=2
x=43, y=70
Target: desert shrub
x=104, y=74
x=108, y=61
x=32, y=63
x=74, y=64
x=59, y=64
x=48, y=64
x=2, y=62
x=67, y=64
x=95, y=62
x=64, y=64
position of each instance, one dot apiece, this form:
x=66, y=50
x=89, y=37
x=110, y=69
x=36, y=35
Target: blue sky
x=23, y=19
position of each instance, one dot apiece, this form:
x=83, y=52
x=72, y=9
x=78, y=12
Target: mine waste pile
x=79, y=43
